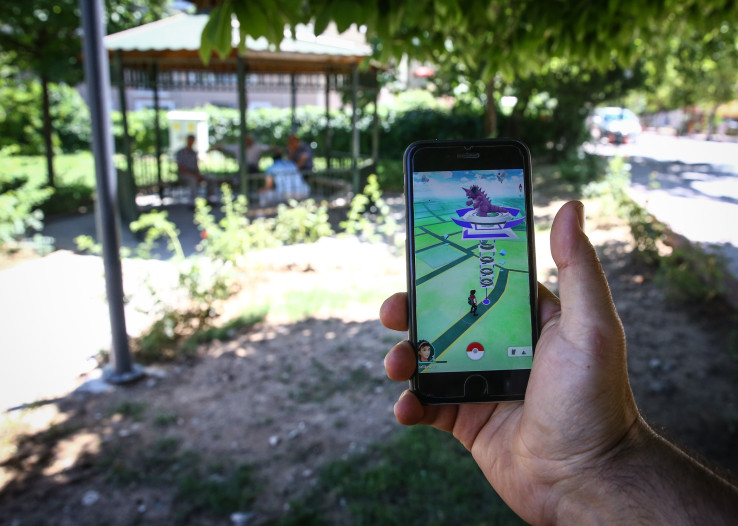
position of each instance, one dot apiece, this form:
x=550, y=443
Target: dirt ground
x=286, y=397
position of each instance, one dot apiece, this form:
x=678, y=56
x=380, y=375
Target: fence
x=332, y=180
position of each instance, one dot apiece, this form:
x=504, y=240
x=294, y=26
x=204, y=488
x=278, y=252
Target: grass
x=227, y=331
x=200, y=488
x=165, y=419
x=422, y=477
x=353, y=383
x=301, y=304
x=132, y=410
x=164, y=340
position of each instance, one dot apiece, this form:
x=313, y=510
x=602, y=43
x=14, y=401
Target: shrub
x=301, y=222
x=20, y=116
x=369, y=216
x=580, y=168
x=70, y=198
x=400, y=129
x=691, y=275
x=19, y=213
x=70, y=118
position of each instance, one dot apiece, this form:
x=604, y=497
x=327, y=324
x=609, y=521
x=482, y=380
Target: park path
x=54, y=320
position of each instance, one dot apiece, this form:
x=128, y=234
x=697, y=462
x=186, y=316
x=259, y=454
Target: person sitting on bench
x=283, y=181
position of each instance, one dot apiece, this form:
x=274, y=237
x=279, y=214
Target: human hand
x=579, y=409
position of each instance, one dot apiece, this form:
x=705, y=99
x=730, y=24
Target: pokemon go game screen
x=471, y=271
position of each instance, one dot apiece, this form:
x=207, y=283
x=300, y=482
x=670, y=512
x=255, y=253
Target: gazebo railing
x=333, y=179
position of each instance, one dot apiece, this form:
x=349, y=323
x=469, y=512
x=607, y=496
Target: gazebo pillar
x=328, y=129
x=375, y=129
x=124, y=112
x=243, y=165
x=157, y=135
x=355, y=128
x=293, y=103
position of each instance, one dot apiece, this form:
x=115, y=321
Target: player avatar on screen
x=425, y=351
x=473, y=302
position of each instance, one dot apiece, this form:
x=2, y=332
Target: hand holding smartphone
x=472, y=287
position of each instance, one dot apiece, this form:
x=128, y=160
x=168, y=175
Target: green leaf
x=322, y=19
x=206, y=40
x=253, y=20
x=224, y=33
x=217, y=33
x=348, y=14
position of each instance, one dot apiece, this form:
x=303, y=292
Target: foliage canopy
x=511, y=38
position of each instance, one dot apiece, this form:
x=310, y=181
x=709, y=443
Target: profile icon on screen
x=426, y=353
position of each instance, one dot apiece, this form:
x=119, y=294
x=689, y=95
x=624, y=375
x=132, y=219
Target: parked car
x=614, y=125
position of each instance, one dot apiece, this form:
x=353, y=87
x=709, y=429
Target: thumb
x=587, y=309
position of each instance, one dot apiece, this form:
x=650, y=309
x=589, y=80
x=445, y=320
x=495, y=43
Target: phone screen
x=473, y=292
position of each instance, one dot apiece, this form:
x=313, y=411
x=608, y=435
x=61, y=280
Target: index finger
x=393, y=312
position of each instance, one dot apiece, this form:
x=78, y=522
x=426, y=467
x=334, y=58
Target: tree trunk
x=47, y=130
x=516, y=117
x=490, y=111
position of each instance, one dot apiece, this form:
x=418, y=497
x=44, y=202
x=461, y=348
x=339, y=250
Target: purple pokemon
x=479, y=200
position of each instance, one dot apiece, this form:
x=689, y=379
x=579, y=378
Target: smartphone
x=472, y=287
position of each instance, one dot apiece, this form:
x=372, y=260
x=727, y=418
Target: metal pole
x=122, y=369
x=243, y=167
x=355, y=127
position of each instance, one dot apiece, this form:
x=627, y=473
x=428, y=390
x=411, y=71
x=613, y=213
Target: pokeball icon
x=475, y=351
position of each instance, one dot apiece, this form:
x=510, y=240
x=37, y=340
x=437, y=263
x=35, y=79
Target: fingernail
x=580, y=214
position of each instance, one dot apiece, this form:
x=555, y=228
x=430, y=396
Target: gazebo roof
x=174, y=43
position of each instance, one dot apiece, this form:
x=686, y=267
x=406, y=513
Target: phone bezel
x=420, y=156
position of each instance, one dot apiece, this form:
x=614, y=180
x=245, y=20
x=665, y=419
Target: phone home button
x=475, y=387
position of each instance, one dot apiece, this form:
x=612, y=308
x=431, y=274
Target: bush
x=70, y=118
x=19, y=213
x=210, y=277
x=401, y=129
x=71, y=198
x=20, y=116
x=303, y=222
x=581, y=168
x=691, y=275
x=390, y=174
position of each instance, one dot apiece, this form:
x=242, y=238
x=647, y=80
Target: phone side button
x=475, y=387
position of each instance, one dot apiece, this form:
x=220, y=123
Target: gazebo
x=166, y=55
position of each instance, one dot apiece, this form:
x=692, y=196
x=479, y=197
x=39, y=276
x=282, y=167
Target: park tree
x=491, y=41
x=700, y=67
x=41, y=42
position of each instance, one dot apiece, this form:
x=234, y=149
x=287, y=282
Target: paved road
x=689, y=184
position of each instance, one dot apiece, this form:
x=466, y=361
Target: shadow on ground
x=248, y=425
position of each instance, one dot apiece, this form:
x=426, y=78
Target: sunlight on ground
x=55, y=318
x=17, y=424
